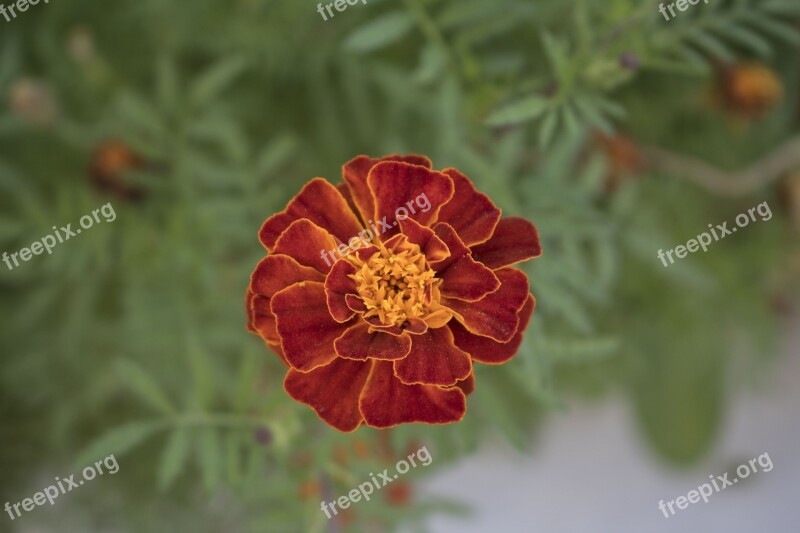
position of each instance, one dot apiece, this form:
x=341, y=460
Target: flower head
x=379, y=294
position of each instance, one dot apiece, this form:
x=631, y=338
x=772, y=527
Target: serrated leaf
x=547, y=129
x=277, y=152
x=174, y=457
x=216, y=79
x=119, y=441
x=140, y=113
x=523, y=110
x=776, y=28
x=713, y=46
x=745, y=38
x=209, y=458
x=593, y=115
x=379, y=32
x=782, y=7
x=145, y=387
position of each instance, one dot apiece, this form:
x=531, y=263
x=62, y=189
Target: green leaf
x=174, y=457
x=381, y=31
x=746, y=38
x=713, y=46
x=588, y=110
x=119, y=441
x=781, y=7
x=547, y=129
x=140, y=114
x=557, y=52
x=523, y=110
x=275, y=153
x=216, y=79
x=209, y=458
x=776, y=28
x=144, y=386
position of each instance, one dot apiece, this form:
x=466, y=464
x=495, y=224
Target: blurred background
x=617, y=132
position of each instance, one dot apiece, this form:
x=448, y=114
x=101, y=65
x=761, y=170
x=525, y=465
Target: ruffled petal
x=355, y=174
x=462, y=277
x=467, y=386
x=434, y=360
x=471, y=213
x=332, y=391
x=308, y=244
x=487, y=351
x=338, y=286
x=387, y=402
x=355, y=303
x=432, y=246
x=495, y=315
x=399, y=188
x=262, y=319
x=305, y=326
x=360, y=343
x=348, y=196
x=277, y=349
x=321, y=203
x=248, y=307
x=514, y=240
x=276, y=272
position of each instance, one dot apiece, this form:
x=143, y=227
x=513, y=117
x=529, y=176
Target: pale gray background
x=592, y=472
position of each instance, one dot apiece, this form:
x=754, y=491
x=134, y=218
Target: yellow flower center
x=396, y=285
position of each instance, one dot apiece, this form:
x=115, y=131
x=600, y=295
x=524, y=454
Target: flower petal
x=462, y=277
x=387, y=402
x=355, y=303
x=514, y=240
x=276, y=272
x=432, y=246
x=471, y=213
x=359, y=343
x=355, y=174
x=488, y=351
x=248, y=307
x=338, y=286
x=467, y=386
x=305, y=326
x=321, y=203
x=434, y=360
x=262, y=319
x=308, y=244
x=496, y=315
x=332, y=391
x=277, y=349
x=398, y=186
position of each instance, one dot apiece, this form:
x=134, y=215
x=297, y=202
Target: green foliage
x=130, y=339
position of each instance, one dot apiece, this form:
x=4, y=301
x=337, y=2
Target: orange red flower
x=388, y=334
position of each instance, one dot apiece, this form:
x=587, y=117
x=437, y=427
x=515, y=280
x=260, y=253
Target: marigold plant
x=382, y=326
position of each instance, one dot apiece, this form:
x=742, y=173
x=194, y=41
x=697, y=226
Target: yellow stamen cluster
x=396, y=285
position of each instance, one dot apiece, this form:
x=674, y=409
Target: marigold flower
x=387, y=332
x=749, y=90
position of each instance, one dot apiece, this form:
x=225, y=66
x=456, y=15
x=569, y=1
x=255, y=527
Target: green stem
x=429, y=28
x=223, y=420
